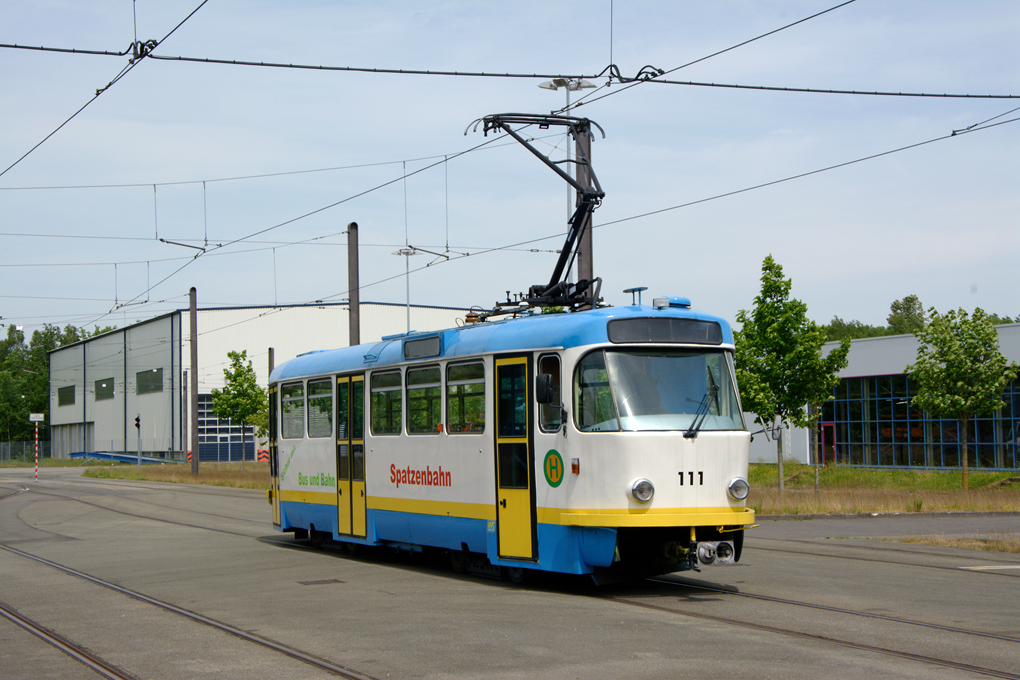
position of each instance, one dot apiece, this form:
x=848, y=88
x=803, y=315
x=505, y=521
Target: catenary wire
x=589, y=98
x=976, y=128
x=123, y=72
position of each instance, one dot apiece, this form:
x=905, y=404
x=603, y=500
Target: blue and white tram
x=607, y=442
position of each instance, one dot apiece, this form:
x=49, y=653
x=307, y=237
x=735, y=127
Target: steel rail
x=991, y=672
x=286, y=650
x=77, y=653
x=838, y=610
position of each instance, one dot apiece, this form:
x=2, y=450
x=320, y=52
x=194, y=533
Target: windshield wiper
x=702, y=412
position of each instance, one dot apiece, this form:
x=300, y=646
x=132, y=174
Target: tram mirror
x=544, y=388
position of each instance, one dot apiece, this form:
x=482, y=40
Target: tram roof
x=530, y=332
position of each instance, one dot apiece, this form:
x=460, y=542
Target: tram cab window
x=320, y=408
x=593, y=398
x=652, y=389
x=292, y=397
x=386, y=403
x=424, y=400
x=549, y=415
x=465, y=398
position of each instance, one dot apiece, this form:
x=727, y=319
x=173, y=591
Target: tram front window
x=655, y=390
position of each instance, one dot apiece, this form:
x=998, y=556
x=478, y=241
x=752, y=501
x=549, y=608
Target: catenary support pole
x=194, y=380
x=353, y=292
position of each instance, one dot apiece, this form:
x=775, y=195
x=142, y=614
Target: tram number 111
x=690, y=477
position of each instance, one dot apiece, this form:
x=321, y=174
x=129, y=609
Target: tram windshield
x=642, y=390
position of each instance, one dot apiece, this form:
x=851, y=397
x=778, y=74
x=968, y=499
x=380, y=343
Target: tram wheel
x=516, y=575
x=458, y=561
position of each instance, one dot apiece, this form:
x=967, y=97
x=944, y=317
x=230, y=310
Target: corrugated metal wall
x=144, y=362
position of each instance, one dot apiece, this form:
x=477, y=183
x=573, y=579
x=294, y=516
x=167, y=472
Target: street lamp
x=407, y=253
x=569, y=85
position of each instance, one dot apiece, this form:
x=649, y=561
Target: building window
x=104, y=389
x=465, y=398
x=320, y=408
x=65, y=396
x=424, y=400
x=386, y=406
x=871, y=421
x=292, y=396
x=147, y=382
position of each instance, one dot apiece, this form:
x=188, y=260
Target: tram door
x=350, y=455
x=274, y=459
x=515, y=502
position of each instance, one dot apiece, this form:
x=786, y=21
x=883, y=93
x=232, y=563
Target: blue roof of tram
x=530, y=332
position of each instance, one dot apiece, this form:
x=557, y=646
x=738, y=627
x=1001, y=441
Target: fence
x=23, y=451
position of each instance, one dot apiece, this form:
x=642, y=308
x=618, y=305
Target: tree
x=959, y=371
x=242, y=398
x=24, y=376
x=779, y=362
x=905, y=316
x=838, y=329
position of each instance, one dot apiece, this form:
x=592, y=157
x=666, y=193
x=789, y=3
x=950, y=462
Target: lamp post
x=573, y=85
x=569, y=85
x=407, y=253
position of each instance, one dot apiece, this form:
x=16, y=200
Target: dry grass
x=857, y=500
x=845, y=490
x=1005, y=542
x=254, y=476
x=842, y=490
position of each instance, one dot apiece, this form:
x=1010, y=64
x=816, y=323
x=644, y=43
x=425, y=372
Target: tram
x=607, y=442
x=588, y=439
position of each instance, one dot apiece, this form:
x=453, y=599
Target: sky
x=264, y=167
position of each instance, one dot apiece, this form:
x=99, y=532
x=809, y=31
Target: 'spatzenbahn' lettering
x=413, y=477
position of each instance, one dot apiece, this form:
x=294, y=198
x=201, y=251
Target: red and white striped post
x=36, y=418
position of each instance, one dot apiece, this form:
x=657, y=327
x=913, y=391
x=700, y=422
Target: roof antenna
x=637, y=291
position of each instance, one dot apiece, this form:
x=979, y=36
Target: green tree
x=779, y=362
x=999, y=320
x=905, y=316
x=959, y=370
x=838, y=329
x=242, y=398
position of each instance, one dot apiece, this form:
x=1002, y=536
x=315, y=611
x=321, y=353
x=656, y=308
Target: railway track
x=789, y=631
x=76, y=652
x=944, y=663
x=103, y=668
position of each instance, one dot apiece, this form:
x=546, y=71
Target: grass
x=254, y=475
x=1006, y=542
x=845, y=490
x=841, y=490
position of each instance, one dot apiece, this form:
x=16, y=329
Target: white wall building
x=100, y=385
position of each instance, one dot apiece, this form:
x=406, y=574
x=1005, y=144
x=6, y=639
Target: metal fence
x=23, y=451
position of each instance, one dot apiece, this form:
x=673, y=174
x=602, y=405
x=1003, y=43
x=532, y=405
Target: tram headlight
x=738, y=489
x=642, y=490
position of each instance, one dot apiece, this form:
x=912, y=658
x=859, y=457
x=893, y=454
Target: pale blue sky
x=940, y=221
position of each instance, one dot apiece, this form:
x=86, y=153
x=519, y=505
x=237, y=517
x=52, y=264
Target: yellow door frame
x=514, y=459
x=274, y=458
x=351, y=495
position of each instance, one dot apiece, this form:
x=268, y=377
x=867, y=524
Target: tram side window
x=549, y=414
x=465, y=398
x=292, y=396
x=386, y=403
x=424, y=400
x=594, y=410
x=320, y=408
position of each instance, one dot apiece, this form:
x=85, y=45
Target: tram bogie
x=607, y=442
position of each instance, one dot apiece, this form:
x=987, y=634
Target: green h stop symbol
x=553, y=468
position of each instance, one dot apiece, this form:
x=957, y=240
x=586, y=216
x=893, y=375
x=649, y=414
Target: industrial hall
x=871, y=422
x=101, y=387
